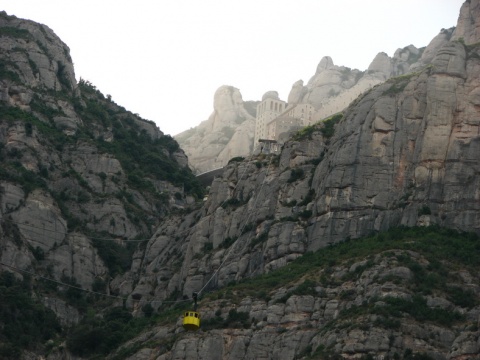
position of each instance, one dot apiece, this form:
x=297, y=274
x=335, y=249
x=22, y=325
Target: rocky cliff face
x=370, y=306
x=227, y=133
x=330, y=90
x=73, y=168
x=403, y=153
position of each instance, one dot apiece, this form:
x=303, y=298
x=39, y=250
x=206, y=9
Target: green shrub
x=116, y=257
x=398, y=84
x=247, y=228
x=328, y=128
x=424, y=210
x=26, y=323
x=227, y=242
x=232, y=202
x=308, y=199
x=461, y=297
x=207, y=247
x=15, y=32
x=305, y=214
x=259, y=239
x=419, y=310
x=236, y=159
x=97, y=335
x=237, y=319
x=296, y=174
x=306, y=132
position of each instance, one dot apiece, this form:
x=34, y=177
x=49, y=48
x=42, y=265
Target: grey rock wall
x=227, y=133
x=405, y=153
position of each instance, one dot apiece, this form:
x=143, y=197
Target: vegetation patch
x=117, y=258
x=328, y=128
x=305, y=288
x=435, y=243
x=306, y=133
x=10, y=31
x=418, y=309
x=296, y=174
x=398, y=84
x=141, y=156
x=6, y=71
x=25, y=322
x=236, y=159
x=100, y=335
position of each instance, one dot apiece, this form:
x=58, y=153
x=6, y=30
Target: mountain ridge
x=329, y=90
x=402, y=156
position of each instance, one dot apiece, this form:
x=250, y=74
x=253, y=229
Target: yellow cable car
x=191, y=319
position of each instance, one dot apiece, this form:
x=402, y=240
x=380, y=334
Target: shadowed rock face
x=58, y=180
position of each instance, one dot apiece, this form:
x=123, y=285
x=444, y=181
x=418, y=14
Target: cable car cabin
x=191, y=320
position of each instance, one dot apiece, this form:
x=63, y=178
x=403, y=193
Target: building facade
x=275, y=119
x=267, y=110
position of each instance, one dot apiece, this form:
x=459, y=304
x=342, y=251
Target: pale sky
x=164, y=59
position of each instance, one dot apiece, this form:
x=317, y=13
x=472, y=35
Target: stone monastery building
x=276, y=119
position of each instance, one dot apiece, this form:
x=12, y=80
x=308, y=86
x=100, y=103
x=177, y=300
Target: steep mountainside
x=80, y=177
x=322, y=251
x=404, y=153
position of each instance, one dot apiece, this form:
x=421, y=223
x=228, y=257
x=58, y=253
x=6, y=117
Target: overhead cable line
x=126, y=298
x=118, y=238
x=233, y=245
x=84, y=290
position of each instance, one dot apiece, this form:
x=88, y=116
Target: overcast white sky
x=164, y=59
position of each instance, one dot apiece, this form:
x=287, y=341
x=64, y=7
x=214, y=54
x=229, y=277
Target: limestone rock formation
x=330, y=90
x=404, y=152
x=227, y=133
x=350, y=313
x=68, y=182
x=432, y=48
x=468, y=28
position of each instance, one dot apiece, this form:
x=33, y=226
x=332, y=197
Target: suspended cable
x=246, y=222
x=137, y=240
x=119, y=238
x=86, y=290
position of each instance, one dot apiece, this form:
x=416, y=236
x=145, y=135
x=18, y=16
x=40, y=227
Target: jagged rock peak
x=44, y=59
x=468, y=25
x=381, y=63
x=325, y=63
x=297, y=93
x=271, y=95
x=406, y=52
x=227, y=133
x=226, y=98
x=432, y=48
